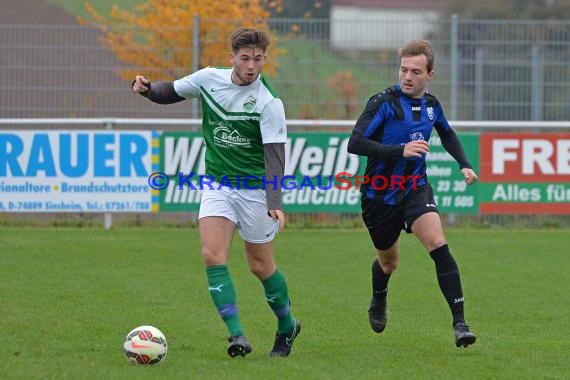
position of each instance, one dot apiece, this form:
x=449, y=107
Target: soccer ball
x=145, y=345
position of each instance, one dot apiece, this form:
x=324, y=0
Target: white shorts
x=247, y=209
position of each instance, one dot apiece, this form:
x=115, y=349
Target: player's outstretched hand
x=470, y=176
x=140, y=84
x=416, y=148
x=280, y=216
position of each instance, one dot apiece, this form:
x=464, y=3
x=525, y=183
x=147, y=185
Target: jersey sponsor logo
x=249, y=104
x=225, y=137
x=430, y=112
x=417, y=113
x=416, y=136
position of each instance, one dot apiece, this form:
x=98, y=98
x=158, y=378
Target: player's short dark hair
x=418, y=47
x=245, y=37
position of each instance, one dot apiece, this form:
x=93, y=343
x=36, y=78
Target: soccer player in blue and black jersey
x=393, y=133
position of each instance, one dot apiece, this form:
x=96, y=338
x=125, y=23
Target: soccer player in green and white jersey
x=245, y=132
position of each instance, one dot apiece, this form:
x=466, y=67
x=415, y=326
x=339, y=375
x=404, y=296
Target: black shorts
x=384, y=222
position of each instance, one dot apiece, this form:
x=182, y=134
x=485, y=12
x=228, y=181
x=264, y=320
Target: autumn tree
x=345, y=85
x=157, y=36
x=306, y=9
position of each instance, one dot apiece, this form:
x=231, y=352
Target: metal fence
x=485, y=70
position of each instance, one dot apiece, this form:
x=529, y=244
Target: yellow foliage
x=157, y=38
x=345, y=84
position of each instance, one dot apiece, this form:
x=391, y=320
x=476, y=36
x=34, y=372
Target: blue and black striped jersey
x=389, y=121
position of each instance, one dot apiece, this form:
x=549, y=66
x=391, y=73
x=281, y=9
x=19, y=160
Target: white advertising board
x=76, y=171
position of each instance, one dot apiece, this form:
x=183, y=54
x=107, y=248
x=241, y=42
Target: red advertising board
x=525, y=157
x=525, y=173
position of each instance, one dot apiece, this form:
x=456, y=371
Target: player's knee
x=256, y=270
x=435, y=243
x=262, y=272
x=389, y=266
x=211, y=257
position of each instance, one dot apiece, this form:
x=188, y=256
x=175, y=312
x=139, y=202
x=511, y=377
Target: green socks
x=277, y=297
x=224, y=296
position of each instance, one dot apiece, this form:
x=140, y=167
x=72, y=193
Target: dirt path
x=37, y=12
x=51, y=66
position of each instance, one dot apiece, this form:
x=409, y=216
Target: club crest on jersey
x=226, y=137
x=249, y=104
x=416, y=136
x=430, y=112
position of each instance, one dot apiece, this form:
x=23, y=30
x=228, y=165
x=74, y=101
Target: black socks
x=379, y=281
x=449, y=281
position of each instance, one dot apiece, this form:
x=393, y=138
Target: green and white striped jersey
x=237, y=121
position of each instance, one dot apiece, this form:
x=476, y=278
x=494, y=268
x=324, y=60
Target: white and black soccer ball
x=145, y=345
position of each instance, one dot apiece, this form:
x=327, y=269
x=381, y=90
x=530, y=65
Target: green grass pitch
x=69, y=296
